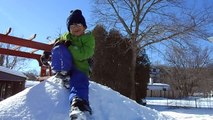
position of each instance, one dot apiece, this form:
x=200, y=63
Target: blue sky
x=48, y=17
x=41, y=17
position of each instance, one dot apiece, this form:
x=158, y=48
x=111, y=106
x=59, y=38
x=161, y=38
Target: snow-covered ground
x=49, y=101
x=185, y=113
x=188, y=112
x=190, y=102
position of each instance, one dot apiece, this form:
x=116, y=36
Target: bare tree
x=188, y=67
x=12, y=62
x=150, y=21
x=1, y=57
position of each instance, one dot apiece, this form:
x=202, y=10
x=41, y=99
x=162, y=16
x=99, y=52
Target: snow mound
x=49, y=101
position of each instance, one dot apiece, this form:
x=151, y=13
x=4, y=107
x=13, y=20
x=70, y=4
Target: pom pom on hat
x=76, y=17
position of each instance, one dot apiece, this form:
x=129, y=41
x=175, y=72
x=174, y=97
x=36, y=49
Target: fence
x=163, y=93
x=195, y=102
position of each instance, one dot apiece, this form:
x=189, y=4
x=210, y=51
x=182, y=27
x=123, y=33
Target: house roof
x=12, y=72
x=158, y=86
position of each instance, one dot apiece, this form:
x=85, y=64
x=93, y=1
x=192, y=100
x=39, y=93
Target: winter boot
x=65, y=76
x=79, y=106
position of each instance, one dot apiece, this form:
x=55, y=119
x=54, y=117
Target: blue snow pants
x=62, y=60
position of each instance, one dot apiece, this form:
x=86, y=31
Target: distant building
x=11, y=82
x=155, y=74
x=155, y=87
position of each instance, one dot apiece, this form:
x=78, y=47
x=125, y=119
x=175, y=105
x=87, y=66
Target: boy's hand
x=45, y=58
x=67, y=43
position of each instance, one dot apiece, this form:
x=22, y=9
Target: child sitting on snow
x=70, y=60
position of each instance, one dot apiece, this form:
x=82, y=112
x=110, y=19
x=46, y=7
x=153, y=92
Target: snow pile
x=29, y=83
x=49, y=101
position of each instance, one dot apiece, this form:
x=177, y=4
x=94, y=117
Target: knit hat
x=76, y=17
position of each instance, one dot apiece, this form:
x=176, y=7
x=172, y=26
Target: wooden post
x=29, y=43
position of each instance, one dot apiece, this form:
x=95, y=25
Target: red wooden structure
x=29, y=43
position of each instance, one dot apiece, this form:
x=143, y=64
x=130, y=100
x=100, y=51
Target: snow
x=193, y=114
x=49, y=101
x=12, y=72
x=29, y=83
x=185, y=113
x=210, y=39
x=188, y=112
x=189, y=102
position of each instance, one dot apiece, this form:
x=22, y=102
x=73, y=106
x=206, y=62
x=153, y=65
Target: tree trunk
x=1, y=60
x=132, y=72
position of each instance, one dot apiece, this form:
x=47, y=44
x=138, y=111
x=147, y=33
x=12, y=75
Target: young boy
x=70, y=60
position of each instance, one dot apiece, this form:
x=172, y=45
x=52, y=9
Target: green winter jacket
x=82, y=49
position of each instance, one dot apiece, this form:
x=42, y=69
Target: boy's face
x=77, y=29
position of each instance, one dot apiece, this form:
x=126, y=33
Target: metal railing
x=193, y=102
